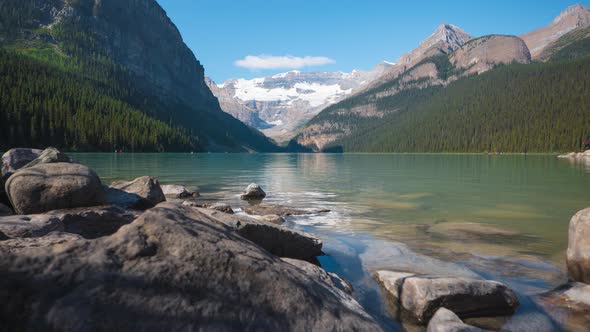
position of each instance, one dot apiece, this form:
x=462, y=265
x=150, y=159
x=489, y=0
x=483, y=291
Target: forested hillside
x=539, y=107
x=73, y=76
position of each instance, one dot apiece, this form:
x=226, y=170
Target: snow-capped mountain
x=280, y=104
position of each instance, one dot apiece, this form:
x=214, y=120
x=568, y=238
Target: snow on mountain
x=280, y=104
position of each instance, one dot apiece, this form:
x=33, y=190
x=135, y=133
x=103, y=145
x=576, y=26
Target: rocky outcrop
x=30, y=225
x=578, y=249
x=176, y=191
x=49, y=156
x=278, y=240
x=447, y=321
x=94, y=222
x=482, y=54
x=320, y=274
x=142, y=193
x=54, y=186
x=445, y=40
x=574, y=17
x=253, y=193
x=15, y=159
x=171, y=269
x=422, y=296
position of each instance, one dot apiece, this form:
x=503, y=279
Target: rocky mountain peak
x=577, y=12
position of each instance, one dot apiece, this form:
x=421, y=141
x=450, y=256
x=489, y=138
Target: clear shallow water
x=503, y=218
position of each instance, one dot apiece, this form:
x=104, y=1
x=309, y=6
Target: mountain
x=574, y=17
x=449, y=55
x=116, y=84
x=279, y=105
x=484, y=95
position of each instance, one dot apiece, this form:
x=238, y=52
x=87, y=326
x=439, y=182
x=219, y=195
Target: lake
x=500, y=217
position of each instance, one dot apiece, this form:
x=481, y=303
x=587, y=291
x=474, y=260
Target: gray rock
x=176, y=191
x=54, y=186
x=30, y=226
x=142, y=193
x=253, y=193
x=422, y=296
x=15, y=159
x=49, y=156
x=5, y=210
x=220, y=207
x=58, y=240
x=171, y=269
x=273, y=219
x=447, y=321
x=578, y=249
x=278, y=240
x=568, y=305
x=279, y=210
x=94, y=222
x=320, y=274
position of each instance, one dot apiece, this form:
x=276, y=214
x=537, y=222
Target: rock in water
x=30, y=226
x=176, y=191
x=422, y=296
x=171, y=269
x=318, y=273
x=15, y=159
x=49, y=156
x=578, y=249
x=278, y=240
x=447, y=321
x=220, y=207
x=54, y=186
x=141, y=193
x=253, y=193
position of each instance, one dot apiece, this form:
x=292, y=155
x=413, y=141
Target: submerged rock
x=141, y=194
x=16, y=158
x=176, y=191
x=569, y=305
x=578, y=249
x=30, y=225
x=174, y=268
x=253, y=193
x=222, y=207
x=48, y=187
x=273, y=219
x=278, y=240
x=422, y=296
x=445, y=320
x=283, y=211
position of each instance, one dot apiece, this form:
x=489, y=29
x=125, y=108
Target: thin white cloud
x=259, y=62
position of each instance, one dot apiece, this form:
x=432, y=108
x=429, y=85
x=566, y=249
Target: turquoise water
x=502, y=217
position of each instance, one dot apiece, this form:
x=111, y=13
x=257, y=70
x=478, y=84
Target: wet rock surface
x=279, y=210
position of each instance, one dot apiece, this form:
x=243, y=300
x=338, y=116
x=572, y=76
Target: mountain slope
x=279, y=105
x=144, y=68
x=574, y=17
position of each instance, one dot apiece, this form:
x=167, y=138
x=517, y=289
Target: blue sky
x=330, y=35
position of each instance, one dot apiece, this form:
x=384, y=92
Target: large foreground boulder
x=30, y=226
x=278, y=240
x=142, y=193
x=253, y=193
x=48, y=187
x=171, y=269
x=447, y=321
x=15, y=159
x=422, y=296
x=578, y=249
